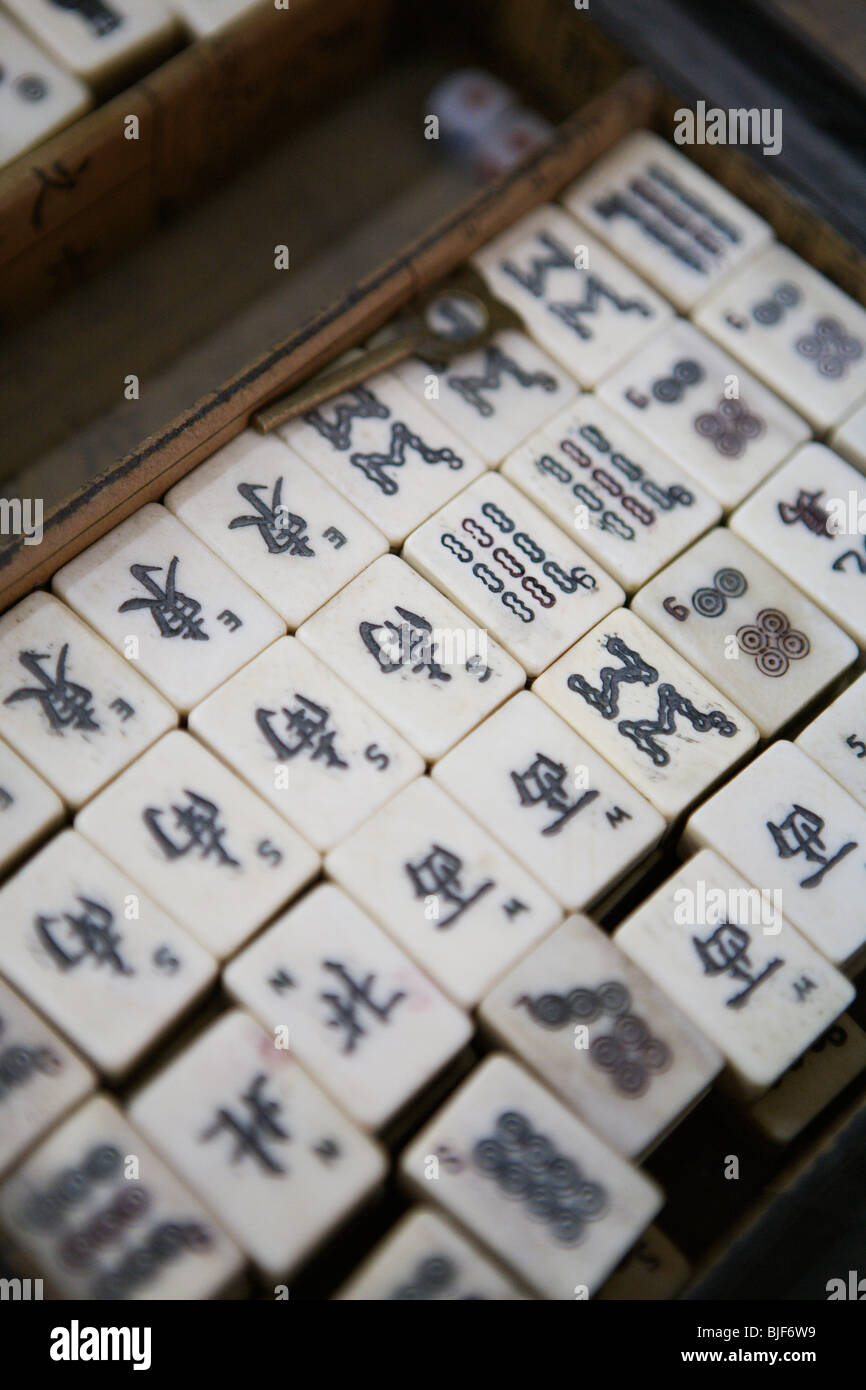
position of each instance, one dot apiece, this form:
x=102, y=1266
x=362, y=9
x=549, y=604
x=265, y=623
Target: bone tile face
x=795, y=330
x=175, y=611
x=849, y=439
x=239, y=1120
x=37, y=98
x=784, y=823
x=28, y=807
x=702, y=408
x=809, y=521
x=98, y=41
x=648, y=712
x=627, y=504
x=68, y=704
x=96, y=955
x=502, y=561
x=551, y=800
x=276, y=523
x=655, y=1270
x=580, y=302
x=40, y=1077
x=495, y=396
x=209, y=850
x=447, y=893
x=530, y=1182
x=357, y=1013
x=305, y=742
x=425, y=1258
x=384, y=450
x=746, y=627
x=762, y=996
x=600, y=1035
x=104, y=1218
x=658, y=210
x=836, y=740
x=416, y=658
x=820, y=1075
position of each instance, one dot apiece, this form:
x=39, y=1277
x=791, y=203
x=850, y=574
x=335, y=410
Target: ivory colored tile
x=599, y=1034
x=238, y=1119
x=305, y=742
x=836, y=740
x=41, y=1078
x=95, y=955
x=580, y=302
x=362, y=1019
x=99, y=40
x=752, y=984
x=425, y=1259
x=647, y=711
x=175, y=611
x=28, y=807
x=205, y=17
x=384, y=450
x=816, y=1079
x=211, y=852
x=105, y=1219
x=69, y=704
x=809, y=520
x=37, y=98
x=849, y=438
x=505, y=563
x=276, y=523
x=659, y=211
x=444, y=889
x=746, y=627
x=416, y=658
x=495, y=396
x=530, y=1182
x=679, y=392
x=785, y=824
x=551, y=800
x=627, y=504
x=796, y=330
x=655, y=1271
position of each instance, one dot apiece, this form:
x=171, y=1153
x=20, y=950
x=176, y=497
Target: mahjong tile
x=362, y=1019
x=417, y=659
x=444, y=889
x=386, y=452
x=746, y=627
x=849, y=438
x=647, y=711
x=211, y=852
x=28, y=807
x=99, y=40
x=277, y=523
x=530, y=1181
x=425, y=1259
x=500, y=558
x=552, y=801
x=816, y=1079
x=103, y=1218
x=700, y=406
x=164, y=600
x=662, y=213
x=494, y=396
x=625, y=502
x=740, y=971
x=580, y=302
x=809, y=520
x=69, y=704
x=785, y=824
x=796, y=330
x=41, y=1078
x=37, y=97
x=836, y=740
x=96, y=955
x=239, y=1120
x=654, y=1271
x=602, y=1036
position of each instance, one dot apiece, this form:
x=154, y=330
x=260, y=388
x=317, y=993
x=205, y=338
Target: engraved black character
x=199, y=821
x=859, y=560
x=731, y=427
x=175, y=614
x=65, y=704
x=88, y=933
x=281, y=530
x=256, y=1130
x=807, y=509
x=373, y=465
x=357, y=995
x=804, y=829
x=725, y=952
x=307, y=727
x=101, y=18
x=409, y=643
x=438, y=873
x=594, y=288
x=544, y=782
x=497, y=365
x=357, y=404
